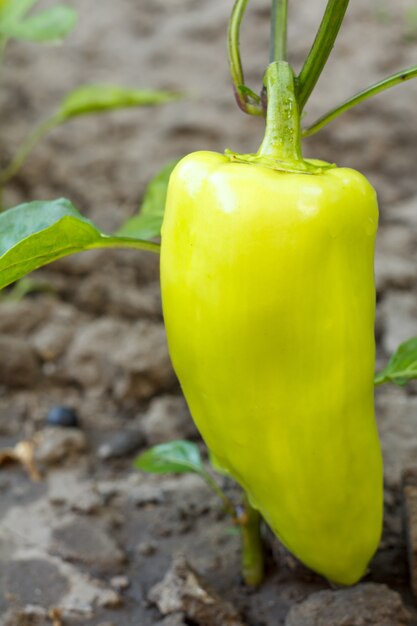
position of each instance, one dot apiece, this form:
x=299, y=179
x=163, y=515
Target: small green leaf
x=177, y=457
x=98, y=98
x=45, y=26
x=402, y=366
x=147, y=223
x=37, y=233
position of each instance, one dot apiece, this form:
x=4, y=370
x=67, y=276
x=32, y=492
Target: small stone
x=120, y=582
x=167, y=419
x=61, y=415
x=54, y=445
x=146, y=548
x=182, y=590
x=19, y=366
x=367, y=604
x=121, y=444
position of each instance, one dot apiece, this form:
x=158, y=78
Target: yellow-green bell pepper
x=268, y=297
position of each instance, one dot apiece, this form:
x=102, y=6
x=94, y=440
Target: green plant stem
x=248, y=520
x=233, y=41
x=124, y=242
x=252, y=547
x=392, y=378
x=26, y=148
x=278, y=41
x=320, y=51
x=386, y=83
x=282, y=139
x=280, y=149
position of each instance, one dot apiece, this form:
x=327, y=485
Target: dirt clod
x=366, y=604
x=183, y=590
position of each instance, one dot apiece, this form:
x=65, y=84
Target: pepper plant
x=269, y=301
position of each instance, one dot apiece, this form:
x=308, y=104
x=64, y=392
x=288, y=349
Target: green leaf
x=50, y=25
x=177, y=457
x=45, y=26
x=14, y=10
x=147, y=223
x=37, y=233
x=402, y=366
x=98, y=98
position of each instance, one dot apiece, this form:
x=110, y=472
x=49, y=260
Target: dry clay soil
x=94, y=536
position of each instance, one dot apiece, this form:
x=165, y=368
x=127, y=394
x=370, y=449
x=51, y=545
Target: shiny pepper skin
x=269, y=300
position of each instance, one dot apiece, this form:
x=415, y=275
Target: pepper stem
x=282, y=139
x=280, y=149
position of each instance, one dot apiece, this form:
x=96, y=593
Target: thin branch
x=124, y=242
x=279, y=20
x=233, y=44
x=321, y=49
x=373, y=90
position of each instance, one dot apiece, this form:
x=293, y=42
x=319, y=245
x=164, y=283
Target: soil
x=92, y=538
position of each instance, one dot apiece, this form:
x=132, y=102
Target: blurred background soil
x=94, y=536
